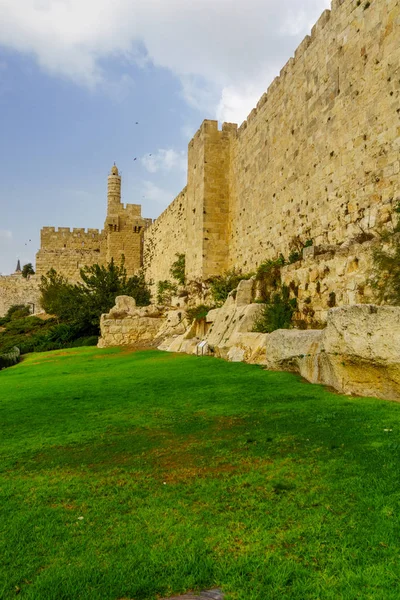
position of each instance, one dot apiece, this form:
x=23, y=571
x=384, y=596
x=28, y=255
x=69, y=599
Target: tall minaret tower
x=114, y=192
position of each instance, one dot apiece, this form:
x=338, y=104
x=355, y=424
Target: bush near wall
x=8, y=359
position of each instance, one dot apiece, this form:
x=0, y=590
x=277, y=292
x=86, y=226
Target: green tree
x=82, y=304
x=27, y=270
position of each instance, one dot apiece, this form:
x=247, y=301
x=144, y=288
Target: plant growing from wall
x=269, y=277
x=222, y=285
x=165, y=290
x=296, y=249
x=177, y=269
x=277, y=313
x=385, y=279
x=198, y=313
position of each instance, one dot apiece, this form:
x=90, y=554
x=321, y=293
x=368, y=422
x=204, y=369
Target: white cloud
x=220, y=49
x=165, y=160
x=154, y=196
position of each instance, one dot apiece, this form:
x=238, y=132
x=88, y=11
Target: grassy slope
x=188, y=473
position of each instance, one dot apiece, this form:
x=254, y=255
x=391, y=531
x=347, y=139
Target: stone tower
x=114, y=192
x=124, y=227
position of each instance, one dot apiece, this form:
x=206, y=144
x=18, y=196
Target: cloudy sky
x=84, y=83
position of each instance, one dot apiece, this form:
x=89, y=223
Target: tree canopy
x=83, y=303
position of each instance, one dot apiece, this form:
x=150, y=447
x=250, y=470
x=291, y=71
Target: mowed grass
x=139, y=475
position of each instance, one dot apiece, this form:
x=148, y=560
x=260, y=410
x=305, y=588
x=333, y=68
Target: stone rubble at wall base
x=357, y=353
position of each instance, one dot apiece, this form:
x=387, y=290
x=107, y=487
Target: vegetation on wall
x=177, y=269
x=165, y=290
x=221, y=285
x=296, y=249
x=277, y=312
x=269, y=277
x=385, y=279
x=198, y=313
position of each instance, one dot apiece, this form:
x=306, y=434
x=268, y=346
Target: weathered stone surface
x=361, y=351
x=124, y=306
x=357, y=353
x=245, y=292
x=127, y=324
x=289, y=349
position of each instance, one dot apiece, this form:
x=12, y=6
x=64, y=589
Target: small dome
x=114, y=170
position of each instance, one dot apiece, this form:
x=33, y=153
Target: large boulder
x=357, y=353
x=361, y=350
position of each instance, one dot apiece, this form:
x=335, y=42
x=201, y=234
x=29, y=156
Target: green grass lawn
x=139, y=475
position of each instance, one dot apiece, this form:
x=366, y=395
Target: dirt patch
x=125, y=350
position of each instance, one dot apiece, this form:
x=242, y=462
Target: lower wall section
x=357, y=353
x=15, y=289
x=335, y=277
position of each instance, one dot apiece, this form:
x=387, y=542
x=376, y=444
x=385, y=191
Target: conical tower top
x=18, y=269
x=114, y=170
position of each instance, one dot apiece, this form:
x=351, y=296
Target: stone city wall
x=317, y=159
x=67, y=251
x=67, y=262
x=165, y=238
x=15, y=289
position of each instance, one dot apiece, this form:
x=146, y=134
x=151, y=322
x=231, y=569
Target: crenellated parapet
x=65, y=238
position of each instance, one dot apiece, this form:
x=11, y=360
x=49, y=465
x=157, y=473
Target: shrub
x=165, y=290
x=16, y=311
x=269, y=276
x=10, y=358
x=198, y=313
x=222, y=285
x=277, y=312
x=177, y=269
